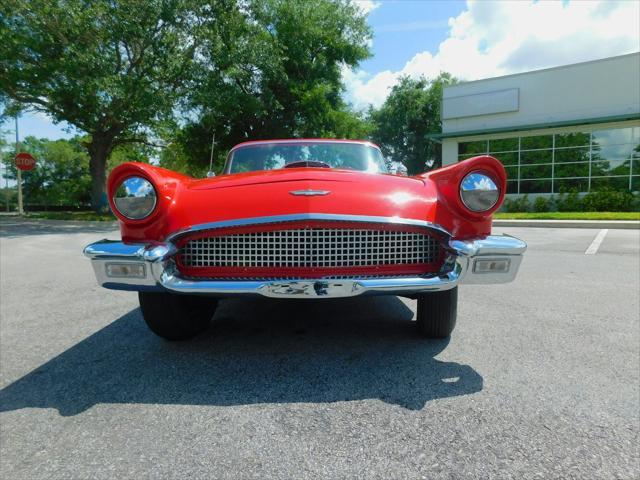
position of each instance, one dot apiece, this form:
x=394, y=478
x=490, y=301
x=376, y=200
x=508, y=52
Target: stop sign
x=24, y=161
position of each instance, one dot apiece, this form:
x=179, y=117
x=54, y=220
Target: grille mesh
x=312, y=248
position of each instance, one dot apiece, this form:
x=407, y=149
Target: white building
x=570, y=127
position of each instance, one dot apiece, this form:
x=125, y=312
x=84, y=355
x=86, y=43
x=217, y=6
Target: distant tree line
x=156, y=79
x=62, y=176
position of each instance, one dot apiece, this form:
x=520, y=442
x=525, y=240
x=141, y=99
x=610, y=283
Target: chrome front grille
x=312, y=248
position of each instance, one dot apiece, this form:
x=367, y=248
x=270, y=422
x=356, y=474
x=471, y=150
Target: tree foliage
x=62, y=175
x=120, y=70
x=282, y=80
x=113, y=69
x=409, y=115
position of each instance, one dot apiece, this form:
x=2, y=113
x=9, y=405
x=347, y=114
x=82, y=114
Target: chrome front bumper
x=151, y=268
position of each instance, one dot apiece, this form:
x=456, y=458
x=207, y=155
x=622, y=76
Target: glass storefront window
x=610, y=167
x=611, y=151
x=613, y=136
x=566, y=185
x=512, y=172
x=542, y=141
x=571, y=160
x=503, y=145
x=573, y=139
x=572, y=155
x=617, y=183
x=508, y=158
x=472, y=147
x=563, y=170
x=536, y=156
x=535, y=186
x=535, y=171
x=512, y=186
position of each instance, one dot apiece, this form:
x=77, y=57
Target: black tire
x=176, y=317
x=437, y=313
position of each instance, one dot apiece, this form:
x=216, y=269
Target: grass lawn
x=568, y=216
x=86, y=216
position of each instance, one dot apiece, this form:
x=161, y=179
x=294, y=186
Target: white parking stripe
x=593, y=248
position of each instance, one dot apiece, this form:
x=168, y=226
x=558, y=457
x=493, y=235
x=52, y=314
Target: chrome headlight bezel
x=479, y=192
x=135, y=198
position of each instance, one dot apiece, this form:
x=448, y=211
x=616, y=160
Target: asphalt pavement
x=540, y=379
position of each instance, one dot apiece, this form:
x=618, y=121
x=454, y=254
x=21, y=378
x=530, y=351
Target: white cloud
x=367, y=5
x=489, y=39
x=412, y=26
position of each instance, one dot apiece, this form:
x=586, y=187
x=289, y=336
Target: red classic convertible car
x=303, y=219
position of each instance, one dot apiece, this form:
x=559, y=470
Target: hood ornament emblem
x=309, y=193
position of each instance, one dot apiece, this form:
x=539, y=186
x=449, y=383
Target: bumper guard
x=138, y=267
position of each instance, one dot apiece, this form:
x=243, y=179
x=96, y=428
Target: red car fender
x=165, y=182
x=182, y=200
x=462, y=222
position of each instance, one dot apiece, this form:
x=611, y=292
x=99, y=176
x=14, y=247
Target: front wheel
x=176, y=317
x=437, y=313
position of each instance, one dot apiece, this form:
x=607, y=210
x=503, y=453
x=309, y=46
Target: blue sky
x=403, y=28
x=469, y=39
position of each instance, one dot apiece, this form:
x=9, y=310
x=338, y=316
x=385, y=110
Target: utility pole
x=6, y=185
x=5, y=164
x=20, y=206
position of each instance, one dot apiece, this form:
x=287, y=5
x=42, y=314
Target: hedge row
x=600, y=201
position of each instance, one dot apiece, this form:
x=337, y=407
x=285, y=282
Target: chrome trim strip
x=310, y=193
x=162, y=274
x=242, y=222
x=313, y=288
x=295, y=141
x=227, y=164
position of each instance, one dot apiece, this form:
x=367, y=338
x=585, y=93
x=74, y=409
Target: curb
x=8, y=220
x=612, y=224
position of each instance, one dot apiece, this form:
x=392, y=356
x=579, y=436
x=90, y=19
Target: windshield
x=272, y=156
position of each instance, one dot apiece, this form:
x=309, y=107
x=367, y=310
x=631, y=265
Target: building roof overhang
x=537, y=126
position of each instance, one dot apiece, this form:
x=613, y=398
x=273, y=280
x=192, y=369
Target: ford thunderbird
x=308, y=219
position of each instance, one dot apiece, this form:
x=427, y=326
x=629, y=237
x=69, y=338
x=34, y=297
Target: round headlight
x=135, y=198
x=479, y=192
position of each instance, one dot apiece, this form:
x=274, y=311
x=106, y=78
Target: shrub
x=541, y=204
x=608, y=200
x=519, y=204
x=569, y=202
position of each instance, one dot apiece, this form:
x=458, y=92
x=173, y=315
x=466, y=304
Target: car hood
x=304, y=190
x=302, y=174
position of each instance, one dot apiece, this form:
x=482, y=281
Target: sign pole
x=6, y=184
x=20, y=206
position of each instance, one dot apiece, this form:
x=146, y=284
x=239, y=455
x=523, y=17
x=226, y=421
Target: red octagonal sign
x=24, y=161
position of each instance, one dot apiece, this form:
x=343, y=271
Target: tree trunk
x=99, y=150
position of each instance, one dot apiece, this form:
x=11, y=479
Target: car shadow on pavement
x=13, y=227
x=256, y=351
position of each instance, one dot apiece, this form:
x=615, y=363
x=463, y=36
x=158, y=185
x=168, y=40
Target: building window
x=472, y=148
x=561, y=162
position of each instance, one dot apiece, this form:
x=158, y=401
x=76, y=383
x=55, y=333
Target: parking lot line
x=593, y=248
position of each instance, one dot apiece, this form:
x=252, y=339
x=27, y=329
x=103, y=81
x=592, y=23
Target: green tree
x=113, y=69
x=283, y=81
x=404, y=122
x=62, y=175
x=120, y=70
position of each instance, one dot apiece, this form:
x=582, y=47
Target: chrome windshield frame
x=228, y=161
